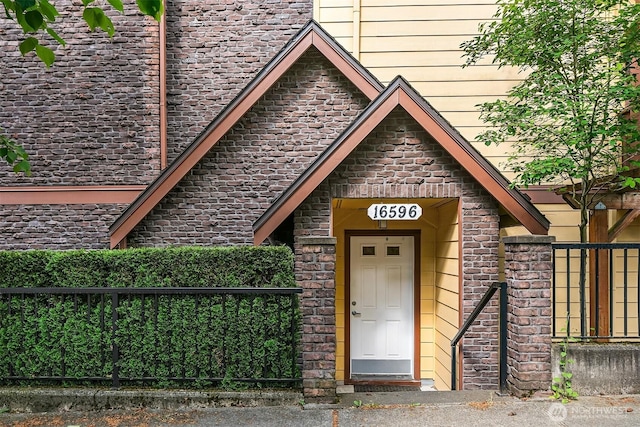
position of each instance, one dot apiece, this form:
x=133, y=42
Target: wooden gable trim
x=606, y=190
x=622, y=200
x=311, y=35
x=516, y=203
x=542, y=194
x=622, y=224
x=69, y=195
x=400, y=93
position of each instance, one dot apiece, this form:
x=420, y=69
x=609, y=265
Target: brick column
x=528, y=270
x=480, y=248
x=315, y=259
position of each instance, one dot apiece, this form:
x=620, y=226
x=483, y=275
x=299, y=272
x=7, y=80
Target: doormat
x=367, y=388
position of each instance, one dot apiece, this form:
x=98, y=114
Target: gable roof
x=400, y=93
x=311, y=35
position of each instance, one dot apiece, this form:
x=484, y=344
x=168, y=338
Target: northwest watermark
x=558, y=412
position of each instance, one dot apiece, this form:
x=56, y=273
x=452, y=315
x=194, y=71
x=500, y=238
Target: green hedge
x=243, y=266
x=228, y=337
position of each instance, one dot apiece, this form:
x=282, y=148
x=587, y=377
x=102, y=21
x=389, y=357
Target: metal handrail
x=503, y=332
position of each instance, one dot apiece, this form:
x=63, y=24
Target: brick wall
x=399, y=159
x=218, y=201
x=92, y=118
x=528, y=269
x=315, y=259
x=480, y=242
x=214, y=49
x=57, y=226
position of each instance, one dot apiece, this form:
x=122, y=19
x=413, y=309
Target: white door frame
x=416, y=295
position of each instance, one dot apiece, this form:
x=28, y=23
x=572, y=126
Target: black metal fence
x=596, y=291
x=155, y=336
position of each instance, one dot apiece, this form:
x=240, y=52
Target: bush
x=209, y=338
x=244, y=266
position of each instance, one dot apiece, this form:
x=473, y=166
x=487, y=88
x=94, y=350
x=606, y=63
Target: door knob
x=355, y=313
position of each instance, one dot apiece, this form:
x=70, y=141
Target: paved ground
x=366, y=409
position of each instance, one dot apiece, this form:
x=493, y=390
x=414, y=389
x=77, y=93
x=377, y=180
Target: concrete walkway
x=462, y=408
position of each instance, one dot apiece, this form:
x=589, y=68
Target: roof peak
x=310, y=35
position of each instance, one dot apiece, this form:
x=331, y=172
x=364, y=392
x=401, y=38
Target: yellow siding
x=420, y=2
x=428, y=59
x=410, y=43
x=442, y=362
x=427, y=251
x=336, y=14
x=340, y=19
x=447, y=292
x=425, y=13
x=564, y=223
x=420, y=40
x=414, y=26
x=632, y=233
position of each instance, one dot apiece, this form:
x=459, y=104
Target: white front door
x=381, y=306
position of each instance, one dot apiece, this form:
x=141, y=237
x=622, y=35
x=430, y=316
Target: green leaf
x=95, y=18
x=117, y=5
x=106, y=24
x=57, y=38
x=87, y=2
x=22, y=166
x=26, y=4
x=48, y=10
x=11, y=156
x=20, y=17
x=8, y=6
x=34, y=19
x=89, y=16
x=45, y=54
x=28, y=45
x=154, y=8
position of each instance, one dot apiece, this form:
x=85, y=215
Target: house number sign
x=388, y=211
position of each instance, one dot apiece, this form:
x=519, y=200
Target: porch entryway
x=403, y=277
